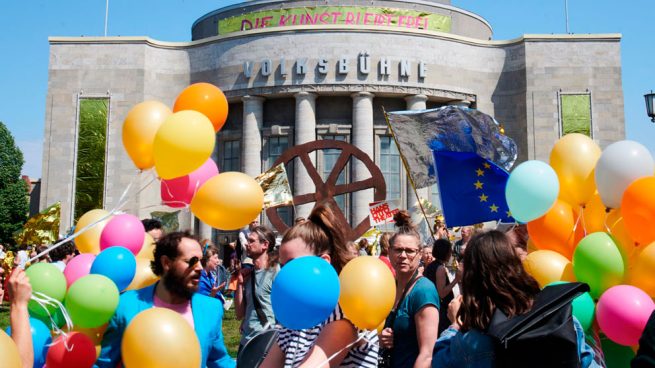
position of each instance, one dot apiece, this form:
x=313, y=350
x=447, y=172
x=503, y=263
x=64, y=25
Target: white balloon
x=619, y=165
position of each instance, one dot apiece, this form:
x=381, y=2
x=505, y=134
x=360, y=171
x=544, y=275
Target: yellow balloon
x=89, y=240
x=159, y=337
x=183, y=143
x=9, y=352
x=95, y=334
x=642, y=274
x=228, y=201
x=368, y=291
x=139, y=130
x=143, y=276
x=548, y=266
x=594, y=215
x=147, y=249
x=574, y=158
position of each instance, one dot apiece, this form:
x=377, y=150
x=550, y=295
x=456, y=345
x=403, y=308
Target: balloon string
x=362, y=336
x=122, y=201
x=607, y=216
x=575, y=227
x=581, y=216
x=45, y=301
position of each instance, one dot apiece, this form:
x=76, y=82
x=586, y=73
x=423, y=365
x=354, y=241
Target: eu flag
x=472, y=188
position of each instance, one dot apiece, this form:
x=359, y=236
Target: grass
x=231, y=332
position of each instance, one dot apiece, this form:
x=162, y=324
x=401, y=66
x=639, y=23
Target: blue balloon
x=305, y=292
x=118, y=264
x=41, y=340
x=532, y=189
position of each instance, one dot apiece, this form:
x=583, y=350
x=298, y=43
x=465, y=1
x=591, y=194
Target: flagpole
x=106, y=15
x=409, y=176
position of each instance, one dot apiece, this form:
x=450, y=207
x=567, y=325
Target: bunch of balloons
x=179, y=145
x=590, y=216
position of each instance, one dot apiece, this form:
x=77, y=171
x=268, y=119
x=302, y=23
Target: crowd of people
x=448, y=298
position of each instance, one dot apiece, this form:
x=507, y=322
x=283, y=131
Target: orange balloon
x=147, y=249
x=643, y=273
x=594, y=215
x=205, y=98
x=554, y=230
x=638, y=209
x=143, y=277
x=9, y=352
x=89, y=240
x=139, y=130
x=627, y=245
x=574, y=158
x=95, y=334
x=547, y=267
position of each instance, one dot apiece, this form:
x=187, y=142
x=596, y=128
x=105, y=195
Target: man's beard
x=176, y=286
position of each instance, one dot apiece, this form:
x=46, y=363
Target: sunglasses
x=192, y=261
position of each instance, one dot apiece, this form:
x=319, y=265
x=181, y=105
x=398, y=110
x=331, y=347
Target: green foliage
x=576, y=114
x=90, y=174
x=14, y=204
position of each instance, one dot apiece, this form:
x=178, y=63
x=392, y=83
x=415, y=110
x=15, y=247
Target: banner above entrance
x=328, y=15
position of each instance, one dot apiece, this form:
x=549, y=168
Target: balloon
x=118, y=264
x=366, y=304
x=182, y=144
x=622, y=313
x=159, y=337
x=9, y=352
x=305, y=292
x=228, y=201
x=179, y=192
x=77, y=267
x=554, y=230
x=638, y=209
x=148, y=249
x=616, y=225
x=594, y=214
x=643, y=273
x=91, y=301
x=598, y=262
x=573, y=158
x=95, y=334
x=73, y=351
x=616, y=356
x=89, y=240
x=207, y=99
x=620, y=164
x=41, y=340
x=531, y=190
x=583, y=308
x=547, y=266
x=143, y=276
x=124, y=230
x=139, y=129
x=47, y=279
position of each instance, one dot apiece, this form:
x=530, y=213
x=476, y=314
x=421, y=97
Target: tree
x=14, y=205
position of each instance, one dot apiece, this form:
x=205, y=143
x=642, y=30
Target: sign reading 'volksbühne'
x=326, y=15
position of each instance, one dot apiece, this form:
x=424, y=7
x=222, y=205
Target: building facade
x=295, y=71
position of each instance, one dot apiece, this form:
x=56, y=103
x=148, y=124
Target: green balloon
x=597, y=261
x=47, y=279
x=616, y=356
x=583, y=307
x=91, y=301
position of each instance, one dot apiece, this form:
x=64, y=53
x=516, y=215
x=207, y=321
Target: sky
x=26, y=25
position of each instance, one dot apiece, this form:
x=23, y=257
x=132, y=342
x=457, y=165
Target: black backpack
x=543, y=337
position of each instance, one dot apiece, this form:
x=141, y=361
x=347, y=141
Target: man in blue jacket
x=177, y=257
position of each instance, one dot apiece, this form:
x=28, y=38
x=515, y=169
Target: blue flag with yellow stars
x=472, y=188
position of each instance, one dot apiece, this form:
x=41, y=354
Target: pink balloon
x=79, y=266
x=124, y=230
x=179, y=192
x=622, y=313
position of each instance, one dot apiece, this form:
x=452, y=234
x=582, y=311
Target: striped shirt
x=296, y=344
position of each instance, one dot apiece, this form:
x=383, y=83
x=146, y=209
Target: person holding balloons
x=493, y=278
x=412, y=326
x=330, y=340
x=177, y=261
x=20, y=292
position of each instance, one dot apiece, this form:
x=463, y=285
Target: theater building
x=295, y=71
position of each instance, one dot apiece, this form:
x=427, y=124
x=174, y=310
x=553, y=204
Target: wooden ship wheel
x=328, y=189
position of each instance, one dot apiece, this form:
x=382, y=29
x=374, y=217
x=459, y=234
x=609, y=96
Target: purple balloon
x=179, y=192
x=124, y=230
x=78, y=267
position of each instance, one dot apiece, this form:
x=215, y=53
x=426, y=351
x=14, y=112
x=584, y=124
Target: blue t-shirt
x=405, y=340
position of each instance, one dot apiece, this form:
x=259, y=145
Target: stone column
x=461, y=103
x=204, y=231
x=305, y=131
x=251, y=143
x=363, y=138
x=416, y=102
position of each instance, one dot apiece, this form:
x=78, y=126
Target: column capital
x=248, y=98
x=416, y=98
x=362, y=94
x=305, y=95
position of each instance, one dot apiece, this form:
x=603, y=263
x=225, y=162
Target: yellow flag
x=275, y=184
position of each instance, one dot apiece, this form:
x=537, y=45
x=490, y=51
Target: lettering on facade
x=361, y=64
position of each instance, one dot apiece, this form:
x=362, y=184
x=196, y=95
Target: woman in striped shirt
x=320, y=235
